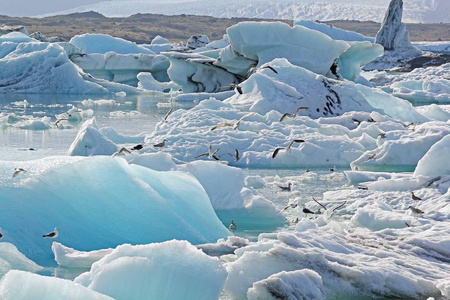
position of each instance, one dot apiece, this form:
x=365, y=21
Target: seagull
x=382, y=135
x=275, y=153
x=416, y=211
x=411, y=126
x=414, y=197
x=160, y=145
x=236, y=155
x=53, y=235
x=234, y=125
x=233, y=86
x=17, y=172
x=289, y=205
x=210, y=153
x=232, y=226
x=252, y=69
x=137, y=147
x=123, y=151
x=307, y=170
x=293, y=116
x=362, y=187
x=59, y=120
x=168, y=114
x=307, y=211
x=286, y=188
x=332, y=169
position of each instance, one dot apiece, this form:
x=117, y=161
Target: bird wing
x=246, y=115
x=203, y=154
x=168, y=114
x=51, y=234
x=301, y=108
x=250, y=71
x=236, y=153
x=124, y=150
x=215, y=157
x=275, y=153
x=319, y=203
x=17, y=172
x=339, y=206
x=284, y=208
x=284, y=116
x=215, y=152
x=294, y=141
x=239, y=89
x=222, y=125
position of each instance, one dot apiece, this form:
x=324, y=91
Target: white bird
x=275, y=153
x=53, y=235
x=293, y=116
x=236, y=155
x=17, y=171
x=234, y=125
x=416, y=211
x=210, y=153
x=289, y=205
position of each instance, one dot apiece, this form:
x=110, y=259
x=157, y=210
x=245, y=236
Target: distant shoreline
x=142, y=28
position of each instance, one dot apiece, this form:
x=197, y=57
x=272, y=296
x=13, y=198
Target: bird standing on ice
x=232, y=226
x=160, y=145
x=53, y=235
x=416, y=211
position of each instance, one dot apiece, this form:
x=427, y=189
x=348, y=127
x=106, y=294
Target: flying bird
x=210, y=154
x=372, y=157
x=275, y=153
x=319, y=203
x=286, y=188
x=293, y=116
x=53, y=235
x=234, y=125
x=123, y=151
x=17, y=171
x=168, y=114
x=236, y=155
x=252, y=69
x=289, y=205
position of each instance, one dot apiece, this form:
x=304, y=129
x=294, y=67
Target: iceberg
x=334, y=32
x=101, y=202
x=20, y=285
x=431, y=164
x=170, y=270
x=29, y=66
x=102, y=43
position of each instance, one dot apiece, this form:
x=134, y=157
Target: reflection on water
x=129, y=115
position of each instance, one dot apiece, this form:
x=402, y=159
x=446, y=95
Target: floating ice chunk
x=212, y=177
x=102, y=43
x=169, y=270
x=12, y=259
x=300, y=284
x=71, y=258
x=147, y=82
x=433, y=163
x=20, y=285
x=334, y=32
x=256, y=182
x=265, y=41
x=35, y=124
x=90, y=141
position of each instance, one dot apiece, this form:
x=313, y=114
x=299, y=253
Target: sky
x=21, y=8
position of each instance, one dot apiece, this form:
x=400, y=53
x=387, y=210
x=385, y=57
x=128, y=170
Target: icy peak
x=393, y=34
